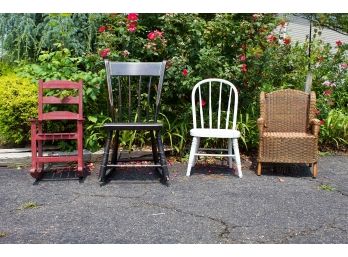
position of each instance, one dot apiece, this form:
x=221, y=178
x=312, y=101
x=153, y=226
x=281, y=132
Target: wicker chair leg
x=259, y=169
x=315, y=169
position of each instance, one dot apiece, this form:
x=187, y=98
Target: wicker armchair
x=288, y=128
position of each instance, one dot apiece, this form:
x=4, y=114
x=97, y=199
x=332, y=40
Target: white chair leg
x=230, y=152
x=237, y=157
x=196, y=151
x=192, y=156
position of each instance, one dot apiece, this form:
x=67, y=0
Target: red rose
x=343, y=66
x=184, y=72
x=322, y=122
x=132, y=27
x=158, y=33
x=244, y=68
x=327, y=92
x=287, y=40
x=271, y=38
x=151, y=35
x=102, y=29
x=132, y=17
x=104, y=53
x=339, y=43
x=242, y=58
x=203, y=103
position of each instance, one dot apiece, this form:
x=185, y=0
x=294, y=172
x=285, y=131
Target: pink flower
x=184, y=72
x=343, y=66
x=154, y=34
x=271, y=38
x=339, y=43
x=132, y=17
x=102, y=29
x=132, y=27
x=327, y=92
x=242, y=58
x=104, y=53
x=322, y=122
x=151, y=35
x=327, y=83
x=203, y=103
x=243, y=68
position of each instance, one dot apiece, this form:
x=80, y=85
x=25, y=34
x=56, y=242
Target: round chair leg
x=315, y=169
x=259, y=169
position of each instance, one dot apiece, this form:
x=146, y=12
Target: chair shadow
x=62, y=173
x=282, y=169
x=134, y=175
x=213, y=170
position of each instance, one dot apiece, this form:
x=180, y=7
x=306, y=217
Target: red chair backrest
x=70, y=100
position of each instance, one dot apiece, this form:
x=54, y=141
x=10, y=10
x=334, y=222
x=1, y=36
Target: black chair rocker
x=134, y=91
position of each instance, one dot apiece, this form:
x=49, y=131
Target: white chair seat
x=217, y=133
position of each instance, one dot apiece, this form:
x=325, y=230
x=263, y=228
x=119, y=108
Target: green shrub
x=18, y=103
x=334, y=131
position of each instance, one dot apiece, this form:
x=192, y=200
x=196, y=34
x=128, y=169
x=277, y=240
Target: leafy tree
x=24, y=36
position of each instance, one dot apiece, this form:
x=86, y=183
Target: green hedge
x=18, y=103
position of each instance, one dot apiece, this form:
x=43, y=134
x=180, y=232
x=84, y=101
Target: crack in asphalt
x=223, y=235
x=309, y=231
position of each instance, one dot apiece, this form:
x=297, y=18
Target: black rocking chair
x=134, y=91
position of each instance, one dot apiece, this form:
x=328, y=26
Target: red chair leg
x=80, y=149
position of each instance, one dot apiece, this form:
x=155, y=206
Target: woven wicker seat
x=288, y=128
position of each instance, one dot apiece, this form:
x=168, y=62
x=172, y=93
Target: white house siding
x=298, y=30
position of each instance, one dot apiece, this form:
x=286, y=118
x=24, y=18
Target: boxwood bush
x=18, y=103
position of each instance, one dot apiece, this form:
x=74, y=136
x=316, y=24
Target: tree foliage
x=24, y=36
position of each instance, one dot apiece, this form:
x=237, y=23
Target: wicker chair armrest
x=315, y=126
x=261, y=125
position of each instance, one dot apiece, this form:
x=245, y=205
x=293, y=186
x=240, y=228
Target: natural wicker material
x=288, y=128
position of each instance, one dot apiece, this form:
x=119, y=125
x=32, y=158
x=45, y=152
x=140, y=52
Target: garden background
x=250, y=50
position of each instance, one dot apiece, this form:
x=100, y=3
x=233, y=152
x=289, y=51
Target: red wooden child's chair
x=38, y=134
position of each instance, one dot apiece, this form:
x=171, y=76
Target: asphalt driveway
x=284, y=205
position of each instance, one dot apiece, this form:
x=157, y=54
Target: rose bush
x=251, y=50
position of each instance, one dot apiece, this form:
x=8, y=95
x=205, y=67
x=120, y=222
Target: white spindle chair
x=227, y=96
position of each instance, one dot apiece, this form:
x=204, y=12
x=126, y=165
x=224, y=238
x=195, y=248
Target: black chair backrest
x=134, y=90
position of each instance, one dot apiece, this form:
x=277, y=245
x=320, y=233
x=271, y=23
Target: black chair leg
x=154, y=152
x=115, y=149
x=103, y=167
x=163, y=162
